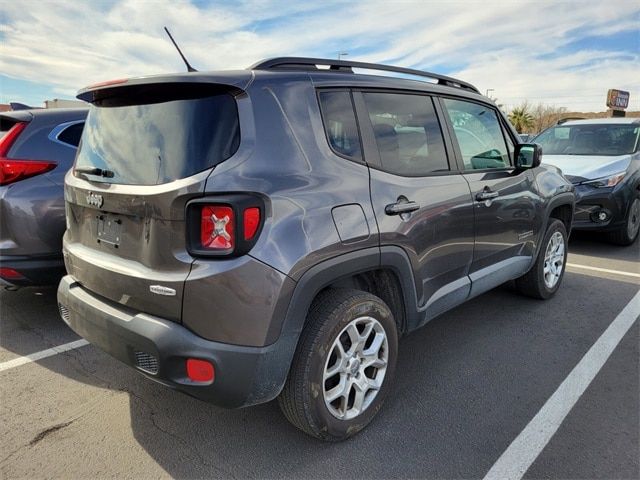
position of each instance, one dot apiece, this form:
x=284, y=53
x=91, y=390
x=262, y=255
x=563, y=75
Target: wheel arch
x=561, y=207
x=361, y=268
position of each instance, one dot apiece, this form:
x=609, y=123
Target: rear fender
x=315, y=280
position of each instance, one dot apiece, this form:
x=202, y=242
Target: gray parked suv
x=37, y=147
x=271, y=232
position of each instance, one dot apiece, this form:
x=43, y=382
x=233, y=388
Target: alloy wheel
x=633, y=221
x=355, y=368
x=554, y=260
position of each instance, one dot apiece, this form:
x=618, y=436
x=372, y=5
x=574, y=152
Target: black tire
x=623, y=236
x=302, y=400
x=533, y=283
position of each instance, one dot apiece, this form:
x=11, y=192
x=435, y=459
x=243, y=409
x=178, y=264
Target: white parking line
x=526, y=447
x=16, y=362
x=604, y=270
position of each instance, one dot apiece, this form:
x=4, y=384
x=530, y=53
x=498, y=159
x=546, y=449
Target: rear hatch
x=145, y=151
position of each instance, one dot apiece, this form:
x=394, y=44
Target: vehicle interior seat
x=387, y=140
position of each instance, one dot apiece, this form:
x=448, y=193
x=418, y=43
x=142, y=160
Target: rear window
x=159, y=142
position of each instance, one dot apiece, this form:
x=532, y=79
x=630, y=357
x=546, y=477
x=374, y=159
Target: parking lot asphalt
x=467, y=385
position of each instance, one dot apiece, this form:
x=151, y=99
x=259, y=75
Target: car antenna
x=189, y=67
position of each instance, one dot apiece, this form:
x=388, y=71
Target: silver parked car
x=601, y=157
x=37, y=147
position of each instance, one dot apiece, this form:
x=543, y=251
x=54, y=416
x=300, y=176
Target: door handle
x=401, y=207
x=486, y=195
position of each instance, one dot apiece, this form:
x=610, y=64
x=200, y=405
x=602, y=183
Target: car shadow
x=595, y=244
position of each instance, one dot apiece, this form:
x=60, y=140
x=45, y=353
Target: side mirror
x=528, y=155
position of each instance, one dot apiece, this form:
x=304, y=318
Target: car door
x=421, y=204
x=504, y=202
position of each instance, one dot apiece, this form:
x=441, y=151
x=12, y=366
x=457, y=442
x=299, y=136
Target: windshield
x=159, y=142
x=603, y=139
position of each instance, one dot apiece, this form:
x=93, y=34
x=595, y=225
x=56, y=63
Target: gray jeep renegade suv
x=272, y=232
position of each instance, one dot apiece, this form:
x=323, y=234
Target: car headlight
x=610, y=181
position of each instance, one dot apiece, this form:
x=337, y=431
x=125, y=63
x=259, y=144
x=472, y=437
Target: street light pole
x=487, y=92
x=342, y=54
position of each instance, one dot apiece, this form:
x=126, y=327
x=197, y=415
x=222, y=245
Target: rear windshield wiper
x=95, y=171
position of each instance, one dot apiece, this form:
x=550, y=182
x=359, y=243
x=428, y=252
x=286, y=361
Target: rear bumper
x=243, y=375
x=34, y=270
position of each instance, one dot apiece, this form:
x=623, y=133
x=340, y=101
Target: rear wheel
x=343, y=366
x=628, y=233
x=544, y=278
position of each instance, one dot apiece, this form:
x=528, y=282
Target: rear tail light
x=107, y=83
x=10, y=274
x=14, y=170
x=251, y=222
x=10, y=137
x=226, y=226
x=217, y=227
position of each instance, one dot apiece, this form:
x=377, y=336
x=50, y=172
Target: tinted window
x=160, y=142
x=72, y=134
x=407, y=133
x=479, y=135
x=340, y=123
x=589, y=140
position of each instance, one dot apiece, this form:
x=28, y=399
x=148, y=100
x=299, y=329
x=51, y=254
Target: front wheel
x=544, y=278
x=343, y=366
x=627, y=234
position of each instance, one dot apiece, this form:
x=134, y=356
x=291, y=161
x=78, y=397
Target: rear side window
x=479, y=135
x=407, y=133
x=71, y=135
x=340, y=123
x=160, y=142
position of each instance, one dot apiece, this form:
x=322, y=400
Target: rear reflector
x=10, y=274
x=200, y=370
x=217, y=227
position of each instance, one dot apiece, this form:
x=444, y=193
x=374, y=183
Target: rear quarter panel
x=289, y=161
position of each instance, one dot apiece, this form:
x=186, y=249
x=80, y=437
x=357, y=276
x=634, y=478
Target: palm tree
x=521, y=119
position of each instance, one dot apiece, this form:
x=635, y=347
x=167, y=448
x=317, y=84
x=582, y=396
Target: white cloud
x=508, y=46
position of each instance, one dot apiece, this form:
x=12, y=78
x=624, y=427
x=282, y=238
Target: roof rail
x=345, y=66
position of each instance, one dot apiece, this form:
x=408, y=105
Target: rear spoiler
x=158, y=88
x=21, y=106
x=16, y=116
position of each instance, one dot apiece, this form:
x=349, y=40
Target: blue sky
x=555, y=52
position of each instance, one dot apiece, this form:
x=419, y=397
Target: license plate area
x=109, y=229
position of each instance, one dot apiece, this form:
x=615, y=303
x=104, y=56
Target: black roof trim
x=345, y=66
